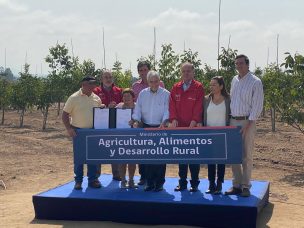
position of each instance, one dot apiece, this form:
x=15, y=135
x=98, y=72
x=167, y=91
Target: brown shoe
x=245, y=192
x=233, y=191
x=95, y=184
x=77, y=186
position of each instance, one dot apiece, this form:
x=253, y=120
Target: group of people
x=184, y=106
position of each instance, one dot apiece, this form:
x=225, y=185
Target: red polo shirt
x=107, y=96
x=185, y=106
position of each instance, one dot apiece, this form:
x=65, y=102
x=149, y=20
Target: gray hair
x=152, y=74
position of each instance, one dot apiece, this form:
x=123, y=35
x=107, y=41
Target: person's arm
x=136, y=116
x=172, y=110
x=198, y=107
x=66, y=121
x=257, y=106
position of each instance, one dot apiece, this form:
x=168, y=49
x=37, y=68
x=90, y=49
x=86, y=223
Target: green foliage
x=285, y=92
x=168, y=66
x=5, y=95
x=227, y=70
x=25, y=92
x=5, y=92
x=62, y=65
x=6, y=74
x=58, y=59
x=294, y=64
x=117, y=66
x=122, y=79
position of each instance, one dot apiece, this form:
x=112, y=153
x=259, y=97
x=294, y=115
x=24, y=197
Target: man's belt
x=240, y=117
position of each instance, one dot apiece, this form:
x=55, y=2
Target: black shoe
x=218, y=189
x=158, y=188
x=211, y=189
x=117, y=178
x=77, y=186
x=179, y=188
x=141, y=182
x=193, y=189
x=148, y=188
x=233, y=191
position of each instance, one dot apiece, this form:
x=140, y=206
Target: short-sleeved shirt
x=80, y=107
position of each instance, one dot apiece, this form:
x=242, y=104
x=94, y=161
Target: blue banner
x=218, y=145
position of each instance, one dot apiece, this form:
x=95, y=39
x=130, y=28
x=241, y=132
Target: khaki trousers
x=242, y=172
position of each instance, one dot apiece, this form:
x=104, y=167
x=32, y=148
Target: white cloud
x=241, y=25
x=173, y=17
x=13, y=6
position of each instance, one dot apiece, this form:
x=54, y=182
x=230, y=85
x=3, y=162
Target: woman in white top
x=216, y=113
x=127, y=102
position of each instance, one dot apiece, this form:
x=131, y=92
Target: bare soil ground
x=32, y=160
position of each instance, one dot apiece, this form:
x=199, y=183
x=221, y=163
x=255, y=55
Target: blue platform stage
x=111, y=203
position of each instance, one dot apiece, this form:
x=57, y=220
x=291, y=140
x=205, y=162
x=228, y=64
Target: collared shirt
x=80, y=107
x=247, y=96
x=186, y=85
x=139, y=85
x=152, y=108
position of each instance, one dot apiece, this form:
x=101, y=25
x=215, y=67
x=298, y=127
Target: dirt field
x=32, y=161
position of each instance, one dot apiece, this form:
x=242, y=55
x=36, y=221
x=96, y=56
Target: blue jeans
x=93, y=172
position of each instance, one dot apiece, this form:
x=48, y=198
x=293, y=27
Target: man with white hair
x=152, y=109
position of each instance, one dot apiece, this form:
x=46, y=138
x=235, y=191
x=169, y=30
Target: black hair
x=243, y=56
x=221, y=82
x=142, y=63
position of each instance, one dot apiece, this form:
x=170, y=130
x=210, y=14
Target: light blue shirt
x=152, y=108
x=186, y=85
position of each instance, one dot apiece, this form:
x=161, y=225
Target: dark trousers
x=142, y=171
x=212, y=168
x=115, y=170
x=194, y=171
x=156, y=175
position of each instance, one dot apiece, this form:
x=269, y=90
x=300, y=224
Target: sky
x=29, y=28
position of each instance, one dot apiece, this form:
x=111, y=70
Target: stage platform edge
x=110, y=203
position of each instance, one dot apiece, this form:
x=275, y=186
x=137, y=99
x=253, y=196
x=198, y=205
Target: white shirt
x=152, y=108
x=216, y=114
x=246, y=96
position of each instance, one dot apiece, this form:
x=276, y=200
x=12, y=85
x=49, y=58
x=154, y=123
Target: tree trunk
x=263, y=111
x=273, y=119
x=2, y=121
x=45, y=116
x=21, y=117
x=58, y=108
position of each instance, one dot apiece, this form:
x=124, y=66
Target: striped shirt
x=246, y=96
x=152, y=108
